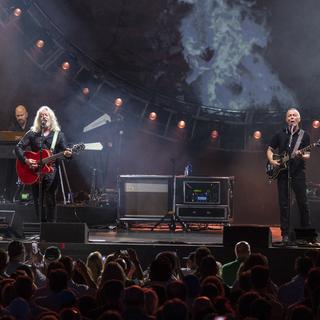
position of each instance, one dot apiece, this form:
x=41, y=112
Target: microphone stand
x=40, y=195
x=289, y=181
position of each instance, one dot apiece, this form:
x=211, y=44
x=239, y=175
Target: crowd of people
x=114, y=287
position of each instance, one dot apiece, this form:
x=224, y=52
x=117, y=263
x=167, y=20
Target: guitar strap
x=298, y=142
x=54, y=141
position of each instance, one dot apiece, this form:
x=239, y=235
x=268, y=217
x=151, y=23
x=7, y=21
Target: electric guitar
x=273, y=171
x=29, y=175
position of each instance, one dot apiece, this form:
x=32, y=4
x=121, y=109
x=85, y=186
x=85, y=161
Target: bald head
x=242, y=249
x=21, y=114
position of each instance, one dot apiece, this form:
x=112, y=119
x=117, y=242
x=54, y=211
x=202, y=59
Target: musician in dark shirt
x=21, y=122
x=286, y=141
x=44, y=128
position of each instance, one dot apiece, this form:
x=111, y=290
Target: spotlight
x=181, y=124
x=40, y=43
x=118, y=102
x=152, y=116
x=257, y=135
x=17, y=12
x=316, y=124
x=85, y=91
x=214, y=134
x=65, y=66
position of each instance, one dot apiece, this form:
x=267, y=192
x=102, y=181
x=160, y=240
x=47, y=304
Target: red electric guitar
x=29, y=175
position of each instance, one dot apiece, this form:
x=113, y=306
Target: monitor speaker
x=306, y=234
x=256, y=236
x=64, y=232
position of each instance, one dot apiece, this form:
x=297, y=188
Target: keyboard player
x=8, y=141
x=21, y=122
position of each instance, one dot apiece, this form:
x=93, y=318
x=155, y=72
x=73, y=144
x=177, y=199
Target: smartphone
x=124, y=251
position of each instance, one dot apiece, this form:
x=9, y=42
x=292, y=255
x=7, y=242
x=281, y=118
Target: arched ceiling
x=233, y=55
x=136, y=40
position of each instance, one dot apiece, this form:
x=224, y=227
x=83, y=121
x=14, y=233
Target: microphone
x=43, y=123
x=292, y=128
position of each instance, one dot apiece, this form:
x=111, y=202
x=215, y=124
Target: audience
x=119, y=289
x=242, y=251
x=293, y=291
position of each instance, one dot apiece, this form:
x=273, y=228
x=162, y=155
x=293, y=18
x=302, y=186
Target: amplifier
x=144, y=197
x=204, y=198
x=205, y=213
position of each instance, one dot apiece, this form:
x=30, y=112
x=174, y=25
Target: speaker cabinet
x=64, y=232
x=308, y=234
x=256, y=236
x=144, y=197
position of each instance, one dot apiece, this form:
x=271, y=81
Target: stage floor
x=205, y=235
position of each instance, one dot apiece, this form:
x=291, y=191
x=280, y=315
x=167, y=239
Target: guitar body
x=31, y=176
x=273, y=171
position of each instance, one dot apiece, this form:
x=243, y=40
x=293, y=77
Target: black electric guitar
x=273, y=171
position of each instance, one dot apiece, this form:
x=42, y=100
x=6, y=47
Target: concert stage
x=104, y=235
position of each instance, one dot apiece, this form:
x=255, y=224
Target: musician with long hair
x=44, y=134
x=290, y=141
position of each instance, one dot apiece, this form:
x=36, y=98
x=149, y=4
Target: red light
x=40, y=43
x=181, y=124
x=17, y=12
x=257, y=135
x=152, y=116
x=214, y=134
x=316, y=124
x=85, y=91
x=118, y=102
x=65, y=66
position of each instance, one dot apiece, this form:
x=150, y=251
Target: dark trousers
x=49, y=189
x=299, y=188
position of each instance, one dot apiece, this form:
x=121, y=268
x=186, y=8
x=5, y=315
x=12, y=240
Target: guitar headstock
x=78, y=147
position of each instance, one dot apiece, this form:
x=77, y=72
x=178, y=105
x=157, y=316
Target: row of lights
x=65, y=65
x=257, y=135
x=40, y=43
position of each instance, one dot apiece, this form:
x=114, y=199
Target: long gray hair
x=54, y=125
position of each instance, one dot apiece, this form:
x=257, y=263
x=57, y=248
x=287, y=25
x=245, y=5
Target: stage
x=106, y=236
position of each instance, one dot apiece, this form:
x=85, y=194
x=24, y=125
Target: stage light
x=40, y=43
x=257, y=135
x=65, y=65
x=85, y=91
x=17, y=12
x=316, y=124
x=214, y=134
x=118, y=102
x=152, y=116
x=181, y=124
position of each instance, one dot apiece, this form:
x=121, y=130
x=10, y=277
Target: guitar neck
x=53, y=157
x=309, y=147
